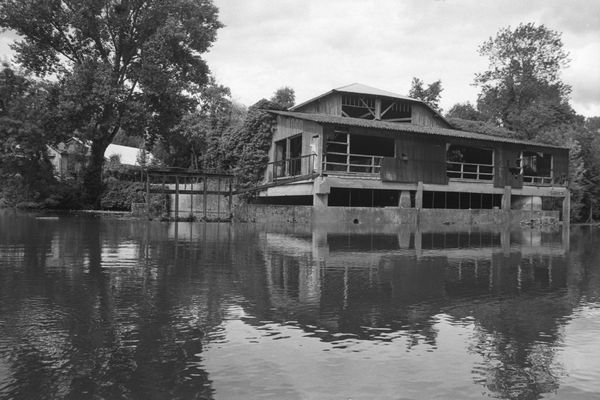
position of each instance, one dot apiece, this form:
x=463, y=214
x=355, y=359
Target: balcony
x=293, y=169
x=469, y=171
x=352, y=163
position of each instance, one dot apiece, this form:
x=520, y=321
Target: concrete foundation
x=390, y=216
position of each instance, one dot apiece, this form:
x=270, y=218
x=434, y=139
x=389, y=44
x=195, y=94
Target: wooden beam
x=387, y=109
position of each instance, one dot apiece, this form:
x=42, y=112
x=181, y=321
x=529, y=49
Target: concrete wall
x=216, y=205
x=388, y=216
x=272, y=213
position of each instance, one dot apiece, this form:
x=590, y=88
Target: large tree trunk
x=92, y=178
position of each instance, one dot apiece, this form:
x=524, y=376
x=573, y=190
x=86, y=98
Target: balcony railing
x=351, y=163
x=541, y=180
x=470, y=171
x=293, y=167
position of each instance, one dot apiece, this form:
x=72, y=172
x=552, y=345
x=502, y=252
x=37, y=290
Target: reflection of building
x=344, y=280
x=358, y=146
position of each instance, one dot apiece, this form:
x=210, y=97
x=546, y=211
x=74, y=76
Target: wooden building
x=358, y=146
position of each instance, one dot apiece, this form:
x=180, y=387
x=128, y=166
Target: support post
x=404, y=200
x=147, y=193
x=320, y=200
x=219, y=198
x=176, y=197
x=566, y=208
x=204, y=202
x=506, y=198
x=419, y=196
x=230, y=195
x=192, y=199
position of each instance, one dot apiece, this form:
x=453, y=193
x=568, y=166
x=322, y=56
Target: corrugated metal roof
x=360, y=89
x=405, y=127
x=364, y=89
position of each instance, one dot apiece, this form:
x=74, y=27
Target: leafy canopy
x=131, y=64
x=521, y=88
x=430, y=94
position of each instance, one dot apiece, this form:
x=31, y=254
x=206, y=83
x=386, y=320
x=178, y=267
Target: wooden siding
x=507, y=158
x=288, y=127
x=417, y=159
x=506, y=166
x=328, y=105
x=560, y=161
x=421, y=115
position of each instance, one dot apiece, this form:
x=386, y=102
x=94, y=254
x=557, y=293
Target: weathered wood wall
x=421, y=115
x=329, y=105
x=417, y=159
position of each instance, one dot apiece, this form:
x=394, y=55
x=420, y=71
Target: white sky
x=317, y=45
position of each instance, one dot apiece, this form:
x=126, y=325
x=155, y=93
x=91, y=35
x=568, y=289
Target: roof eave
x=349, y=122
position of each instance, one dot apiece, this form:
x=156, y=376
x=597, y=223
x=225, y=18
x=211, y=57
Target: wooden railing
x=353, y=163
x=293, y=167
x=543, y=180
x=461, y=170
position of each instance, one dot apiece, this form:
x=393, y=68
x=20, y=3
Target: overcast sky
x=317, y=45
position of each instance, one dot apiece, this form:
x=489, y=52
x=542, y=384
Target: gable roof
x=405, y=127
x=364, y=89
x=359, y=88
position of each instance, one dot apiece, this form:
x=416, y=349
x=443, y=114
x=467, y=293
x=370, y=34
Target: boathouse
x=358, y=146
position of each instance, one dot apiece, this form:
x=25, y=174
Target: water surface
x=124, y=309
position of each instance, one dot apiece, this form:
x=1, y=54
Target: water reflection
x=105, y=308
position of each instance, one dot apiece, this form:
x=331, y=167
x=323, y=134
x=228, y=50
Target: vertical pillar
x=419, y=196
x=320, y=200
x=204, y=199
x=219, y=198
x=506, y=198
x=230, y=195
x=404, y=200
x=191, y=198
x=176, y=197
x=505, y=240
x=147, y=192
x=566, y=208
x=418, y=243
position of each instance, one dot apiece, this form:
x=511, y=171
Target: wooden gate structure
x=193, y=194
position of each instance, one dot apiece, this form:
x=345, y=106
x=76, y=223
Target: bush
x=119, y=195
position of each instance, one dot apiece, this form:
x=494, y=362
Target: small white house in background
x=70, y=157
x=127, y=155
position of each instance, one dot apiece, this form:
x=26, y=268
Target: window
x=536, y=167
x=356, y=153
x=464, y=162
x=288, y=161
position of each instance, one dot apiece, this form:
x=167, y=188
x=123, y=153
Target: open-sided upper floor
x=307, y=145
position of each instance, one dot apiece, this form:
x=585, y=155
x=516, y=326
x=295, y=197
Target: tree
x=521, y=89
x=197, y=141
x=122, y=64
x=465, y=111
x=248, y=146
x=430, y=95
x=26, y=127
x=285, y=97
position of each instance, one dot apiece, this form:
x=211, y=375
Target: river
x=116, y=308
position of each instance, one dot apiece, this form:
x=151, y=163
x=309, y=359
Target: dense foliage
x=522, y=96
x=121, y=64
x=430, y=94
